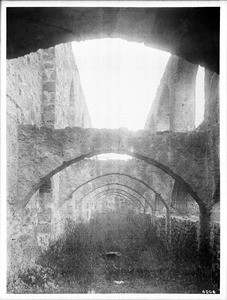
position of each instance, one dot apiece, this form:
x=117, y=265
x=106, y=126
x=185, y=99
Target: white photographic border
x=223, y=151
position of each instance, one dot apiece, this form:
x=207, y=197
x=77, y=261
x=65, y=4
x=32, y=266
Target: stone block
x=44, y=228
x=49, y=86
x=45, y=216
x=43, y=240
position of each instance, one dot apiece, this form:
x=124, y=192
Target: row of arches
x=118, y=192
x=146, y=159
x=113, y=182
x=114, y=177
x=123, y=175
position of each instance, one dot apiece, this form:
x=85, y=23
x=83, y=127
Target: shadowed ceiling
x=191, y=33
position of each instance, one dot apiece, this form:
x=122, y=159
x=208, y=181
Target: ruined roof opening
x=119, y=80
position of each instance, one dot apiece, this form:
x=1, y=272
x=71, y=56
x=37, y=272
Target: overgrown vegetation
x=76, y=262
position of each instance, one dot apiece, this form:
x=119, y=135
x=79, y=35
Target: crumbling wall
x=24, y=89
x=211, y=125
x=173, y=108
x=70, y=106
x=182, y=203
x=22, y=236
x=185, y=243
x=215, y=248
x=184, y=234
x=24, y=96
x=178, y=86
x=35, y=97
x=48, y=87
x=63, y=103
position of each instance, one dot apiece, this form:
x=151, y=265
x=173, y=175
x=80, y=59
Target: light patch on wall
x=112, y=156
x=200, y=98
x=119, y=80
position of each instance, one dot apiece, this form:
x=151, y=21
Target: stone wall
x=22, y=240
x=212, y=126
x=70, y=106
x=185, y=238
x=48, y=87
x=215, y=248
x=173, y=108
x=35, y=96
x=178, y=85
x=185, y=235
x=24, y=96
x=63, y=103
x=182, y=203
x=44, y=89
x=24, y=89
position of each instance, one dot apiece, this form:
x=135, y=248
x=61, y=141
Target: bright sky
x=119, y=80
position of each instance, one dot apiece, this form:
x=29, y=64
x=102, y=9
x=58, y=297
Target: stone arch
x=168, y=225
x=120, y=184
x=125, y=175
x=118, y=192
x=122, y=191
x=146, y=159
x=134, y=191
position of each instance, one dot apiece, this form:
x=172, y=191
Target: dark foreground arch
x=33, y=28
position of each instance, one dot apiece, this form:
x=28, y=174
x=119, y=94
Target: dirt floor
x=122, y=276
x=78, y=263
x=119, y=276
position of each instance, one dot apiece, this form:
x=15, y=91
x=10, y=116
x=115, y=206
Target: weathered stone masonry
x=33, y=97
x=62, y=147
x=47, y=157
x=44, y=96
x=173, y=109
